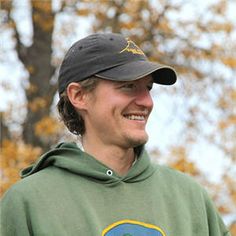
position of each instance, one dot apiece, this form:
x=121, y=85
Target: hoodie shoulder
x=41, y=172
x=32, y=183
x=47, y=159
x=178, y=180
x=171, y=173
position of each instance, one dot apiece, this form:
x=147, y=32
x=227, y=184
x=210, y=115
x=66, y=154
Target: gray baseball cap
x=110, y=56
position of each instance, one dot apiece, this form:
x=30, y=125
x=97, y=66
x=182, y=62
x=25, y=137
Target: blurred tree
x=200, y=46
x=36, y=59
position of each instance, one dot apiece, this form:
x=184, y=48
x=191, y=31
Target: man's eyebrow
x=123, y=82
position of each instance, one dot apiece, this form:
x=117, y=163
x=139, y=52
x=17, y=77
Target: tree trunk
x=37, y=61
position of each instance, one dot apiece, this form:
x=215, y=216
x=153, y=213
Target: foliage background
x=200, y=114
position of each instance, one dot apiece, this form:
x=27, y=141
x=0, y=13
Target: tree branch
x=4, y=131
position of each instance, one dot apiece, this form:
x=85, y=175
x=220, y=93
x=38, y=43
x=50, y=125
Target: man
x=108, y=186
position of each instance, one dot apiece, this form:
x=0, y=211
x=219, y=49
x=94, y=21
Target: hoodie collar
x=69, y=157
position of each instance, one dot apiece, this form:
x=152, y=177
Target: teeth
x=135, y=117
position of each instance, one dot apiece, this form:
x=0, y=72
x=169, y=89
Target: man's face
x=116, y=112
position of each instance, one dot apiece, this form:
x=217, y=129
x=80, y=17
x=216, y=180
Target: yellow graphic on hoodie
x=132, y=228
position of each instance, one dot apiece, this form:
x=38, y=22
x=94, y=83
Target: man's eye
x=149, y=87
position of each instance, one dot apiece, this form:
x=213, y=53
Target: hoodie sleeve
x=14, y=218
x=215, y=223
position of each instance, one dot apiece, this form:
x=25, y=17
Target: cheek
x=109, y=105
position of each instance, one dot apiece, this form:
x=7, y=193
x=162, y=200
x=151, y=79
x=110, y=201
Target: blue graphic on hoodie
x=132, y=228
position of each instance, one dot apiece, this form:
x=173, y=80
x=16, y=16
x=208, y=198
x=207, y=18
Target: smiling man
x=106, y=184
x=116, y=127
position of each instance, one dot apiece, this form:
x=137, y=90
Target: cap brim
x=138, y=69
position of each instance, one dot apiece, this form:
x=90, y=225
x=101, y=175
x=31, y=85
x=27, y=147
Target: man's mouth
x=135, y=117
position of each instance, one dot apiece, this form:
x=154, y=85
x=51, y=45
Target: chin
x=137, y=141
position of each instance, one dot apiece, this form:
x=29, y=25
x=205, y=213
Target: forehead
x=145, y=79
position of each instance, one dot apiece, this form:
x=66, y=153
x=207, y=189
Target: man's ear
x=76, y=95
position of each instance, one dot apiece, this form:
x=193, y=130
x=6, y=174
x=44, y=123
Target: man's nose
x=144, y=98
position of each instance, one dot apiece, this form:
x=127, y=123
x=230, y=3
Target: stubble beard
x=135, y=142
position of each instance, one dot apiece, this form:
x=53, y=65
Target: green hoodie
x=68, y=192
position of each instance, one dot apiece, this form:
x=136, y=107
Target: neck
x=118, y=159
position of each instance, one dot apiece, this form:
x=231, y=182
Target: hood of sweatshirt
x=69, y=157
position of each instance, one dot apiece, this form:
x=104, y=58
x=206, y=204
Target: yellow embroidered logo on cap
x=132, y=47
